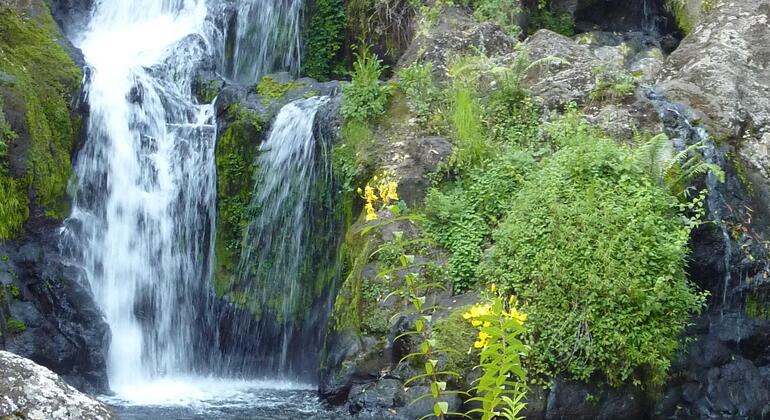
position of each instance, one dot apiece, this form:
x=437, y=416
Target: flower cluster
x=384, y=190
x=481, y=316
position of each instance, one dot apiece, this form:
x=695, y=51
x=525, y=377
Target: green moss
x=325, y=35
x=756, y=308
x=741, y=171
x=236, y=154
x=457, y=335
x=14, y=326
x=270, y=89
x=43, y=79
x=13, y=291
x=348, y=307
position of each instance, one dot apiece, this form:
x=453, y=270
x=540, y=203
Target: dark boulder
x=49, y=315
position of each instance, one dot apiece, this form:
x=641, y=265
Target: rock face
x=30, y=391
x=456, y=33
x=48, y=315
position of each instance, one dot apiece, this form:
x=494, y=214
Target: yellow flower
x=483, y=340
x=520, y=317
x=393, y=190
x=493, y=288
x=369, y=194
x=370, y=213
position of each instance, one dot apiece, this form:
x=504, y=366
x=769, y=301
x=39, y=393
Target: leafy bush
x=612, y=85
x=596, y=250
x=324, y=35
x=461, y=217
x=543, y=18
x=352, y=156
x=503, y=12
x=365, y=97
x=423, y=95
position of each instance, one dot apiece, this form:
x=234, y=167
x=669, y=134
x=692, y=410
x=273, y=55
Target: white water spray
x=146, y=200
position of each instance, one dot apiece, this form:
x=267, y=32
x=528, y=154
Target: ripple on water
x=193, y=399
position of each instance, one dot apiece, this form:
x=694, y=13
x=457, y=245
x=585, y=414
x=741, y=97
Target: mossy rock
x=38, y=81
x=236, y=155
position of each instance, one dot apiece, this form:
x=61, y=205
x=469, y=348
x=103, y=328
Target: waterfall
x=288, y=238
x=267, y=39
x=144, y=208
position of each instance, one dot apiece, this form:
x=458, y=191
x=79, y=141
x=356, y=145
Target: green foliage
x=501, y=388
x=596, y=250
x=325, y=35
x=503, y=12
x=612, y=85
x=471, y=146
x=352, y=156
x=676, y=171
x=7, y=135
x=461, y=218
x=236, y=154
x=425, y=98
x=543, y=18
x=511, y=116
x=365, y=97
x=270, y=89
x=42, y=78
x=457, y=334
x=413, y=292
x=14, y=326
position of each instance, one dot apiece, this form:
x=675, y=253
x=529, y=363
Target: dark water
x=213, y=399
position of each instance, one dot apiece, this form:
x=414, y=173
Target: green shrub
x=460, y=218
x=595, y=248
x=365, y=97
x=325, y=34
x=423, y=95
x=612, y=85
x=457, y=335
x=471, y=146
x=543, y=18
x=352, y=157
x=503, y=12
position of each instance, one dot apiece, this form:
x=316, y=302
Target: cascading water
x=267, y=38
x=290, y=238
x=145, y=206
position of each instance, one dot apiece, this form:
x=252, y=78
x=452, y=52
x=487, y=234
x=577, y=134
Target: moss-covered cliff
x=38, y=80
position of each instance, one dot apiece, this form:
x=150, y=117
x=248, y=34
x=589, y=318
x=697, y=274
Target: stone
x=456, y=34
x=30, y=391
x=722, y=68
x=64, y=330
x=422, y=157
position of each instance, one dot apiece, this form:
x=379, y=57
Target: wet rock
x=72, y=15
x=30, y=391
x=722, y=69
x=376, y=397
x=55, y=320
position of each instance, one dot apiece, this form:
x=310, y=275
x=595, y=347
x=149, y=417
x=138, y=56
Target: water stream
x=144, y=207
